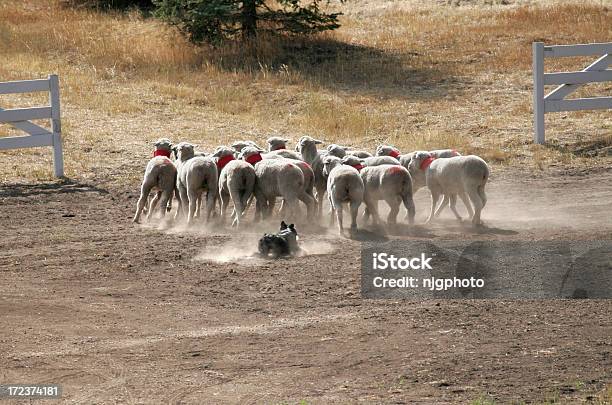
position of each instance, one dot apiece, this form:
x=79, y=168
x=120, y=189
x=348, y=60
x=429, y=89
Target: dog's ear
x=283, y=225
x=292, y=227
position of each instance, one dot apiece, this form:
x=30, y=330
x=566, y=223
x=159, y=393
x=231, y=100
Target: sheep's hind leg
x=165, y=197
x=224, y=197
x=144, y=195
x=153, y=204
x=354, y=207
x=394, y=203
x=339, y=208
x=477, y=201
x=453, y=207
x=467, y=204
x=192, y=197
x=435, y=196
x=445, y=201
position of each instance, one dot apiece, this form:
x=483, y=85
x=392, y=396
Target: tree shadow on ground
x=341, y=66
x=590, y=148
x=63, y=186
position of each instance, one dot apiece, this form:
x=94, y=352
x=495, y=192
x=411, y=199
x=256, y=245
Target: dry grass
x=431, y=76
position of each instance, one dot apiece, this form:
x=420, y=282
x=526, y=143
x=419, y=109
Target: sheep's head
x=329, y=162
x=387, y=150
x=353, y=161
x=239, y=145
x=163, y=143
x=336, y=150
x=277, y=143
x=183, y=151
x=250, y=154
x=418, y=159
x=223, y=151
x=307, y=143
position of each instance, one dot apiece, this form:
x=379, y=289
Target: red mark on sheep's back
x=395, y=154
x=395, y=170
x=161, y=152
x=223, y=161
x=425, y=163
x=254, y=158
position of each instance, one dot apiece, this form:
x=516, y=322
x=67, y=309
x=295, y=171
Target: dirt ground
x=124, y=313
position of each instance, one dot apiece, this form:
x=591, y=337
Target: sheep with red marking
x=277, y=178
x=344, y=185
x=236, y=182
x=388, y=150
x=195, y=175
x=392, y=184
x=160, y=175
x=463, y=176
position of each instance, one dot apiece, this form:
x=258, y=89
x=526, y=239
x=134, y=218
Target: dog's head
x=291, y=227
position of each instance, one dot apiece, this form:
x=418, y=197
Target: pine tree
x=214, y=20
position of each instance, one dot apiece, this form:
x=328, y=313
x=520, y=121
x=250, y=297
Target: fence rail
x=20, y=118
x=568, y=81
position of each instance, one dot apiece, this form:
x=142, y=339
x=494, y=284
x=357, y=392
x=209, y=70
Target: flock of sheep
x=244, y=170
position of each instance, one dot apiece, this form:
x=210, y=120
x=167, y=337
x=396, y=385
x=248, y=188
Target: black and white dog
x=283, y=243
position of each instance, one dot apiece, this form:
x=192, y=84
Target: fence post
x=56, y=126
x=538, y=92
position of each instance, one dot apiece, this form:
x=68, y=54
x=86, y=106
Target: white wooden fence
x=19, y=118
x=568, y=81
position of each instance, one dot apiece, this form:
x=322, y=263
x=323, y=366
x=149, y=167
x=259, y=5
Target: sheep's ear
x=317, y=142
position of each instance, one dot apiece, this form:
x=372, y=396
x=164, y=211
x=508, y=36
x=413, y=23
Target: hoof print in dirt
x=282, y=243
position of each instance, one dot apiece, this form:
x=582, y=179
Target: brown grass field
x=161, y=313
x=414, y=74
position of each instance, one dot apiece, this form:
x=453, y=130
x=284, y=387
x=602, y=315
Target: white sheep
x=342, y=151
x=392, y=184
x=160, y=174
x=307, y=147
x=388, y=150
x=463, y=176
x=277, y=178
x=236, y=182
x=196, y=174
x=344, y=184
x=444, y=153
x=277, y=143
x=336, y=150
x=370, y=161
x=418, y=164
x=239, y=145
x=359, y=153
x=289, y=154
x=296, y=159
